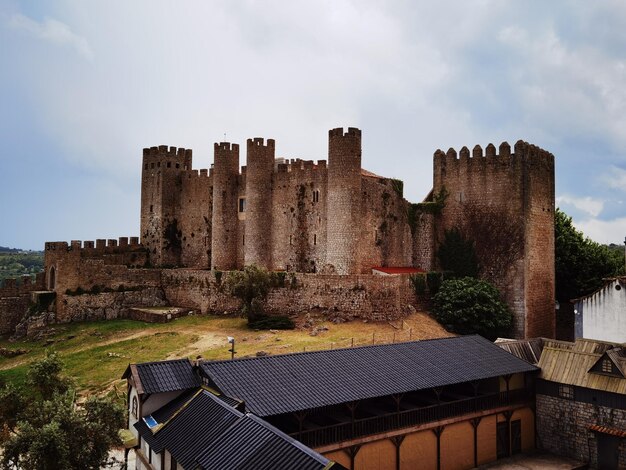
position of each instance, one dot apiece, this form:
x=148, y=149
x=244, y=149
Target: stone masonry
x=563, y=428
x=326, y=219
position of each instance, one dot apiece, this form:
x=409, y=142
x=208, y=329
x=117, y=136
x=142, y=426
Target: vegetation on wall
x=471, y=306
x=457, y=255
x=580, y=263
x=44, y=427
x=251, y=286
x=414, y=210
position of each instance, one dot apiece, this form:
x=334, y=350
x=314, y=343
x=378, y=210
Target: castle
x=329, y=220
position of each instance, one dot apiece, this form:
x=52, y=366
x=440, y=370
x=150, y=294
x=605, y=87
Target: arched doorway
x=52, y=278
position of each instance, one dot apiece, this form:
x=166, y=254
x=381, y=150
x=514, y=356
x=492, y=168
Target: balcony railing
x=427, y=414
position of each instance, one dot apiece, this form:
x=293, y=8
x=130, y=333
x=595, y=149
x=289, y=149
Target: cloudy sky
x=84, y=86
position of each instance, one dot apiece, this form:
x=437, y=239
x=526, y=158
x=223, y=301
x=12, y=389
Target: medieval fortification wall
x=319, y=219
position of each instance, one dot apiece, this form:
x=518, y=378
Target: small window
x=145, y=167
x=607, y=366
x=242, y=204
x=618, y=287
x=316, y=196
x=152, y=165
x=290, y=240
x=566, y=391
x=243, y=239
x=178, y=165
x=151, y=207
x=169, y=164
x=314, y=239
x=134, y=407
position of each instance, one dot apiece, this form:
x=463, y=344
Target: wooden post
x=438, y=432
x=475, y=422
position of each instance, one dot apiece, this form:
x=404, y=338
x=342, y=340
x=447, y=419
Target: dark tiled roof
x=198, y=426
x=167, y=376
x=273, y=385
x=162, y=415
x=195, y=426
x=268, y=449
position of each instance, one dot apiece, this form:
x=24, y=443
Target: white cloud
x=603, y=231
x=616, y=179
x=52, y=31
x=589, y=205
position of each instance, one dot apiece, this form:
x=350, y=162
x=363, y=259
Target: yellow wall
x=516, y=381
x=340, y=457
x=457, y=446
x=528, y=427
x=419, y=450
x=378, y=455
x=487, y=445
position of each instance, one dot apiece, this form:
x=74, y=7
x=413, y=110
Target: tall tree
x=45, y=429
x=580, y=263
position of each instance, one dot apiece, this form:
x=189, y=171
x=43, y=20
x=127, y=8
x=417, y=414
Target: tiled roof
x=526, y=349
x=268, y=449
x=162, y=415
x=203, y=429
x=165, y=376
x=194, y=427
x=571, y=363
x=273, y=385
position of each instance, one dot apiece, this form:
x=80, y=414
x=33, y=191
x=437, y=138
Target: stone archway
x=52, y=278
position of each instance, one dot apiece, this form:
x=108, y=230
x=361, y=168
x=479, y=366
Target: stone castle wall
x=563, y=428
x=283, y=215
x=16, y=298
x=505, y=201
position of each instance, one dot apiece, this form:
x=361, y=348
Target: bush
x=251, y=286
x=278, y=322
x=457, y=255
x=418, y=281
x=433, y=280
x=471, y=306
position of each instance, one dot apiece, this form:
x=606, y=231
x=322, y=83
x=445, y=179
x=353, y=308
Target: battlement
x=522, y=150
x=225, y=147
x=165, y=151
x=22, y=285
x=100, y=245
x=352, y=132
x=260, y=142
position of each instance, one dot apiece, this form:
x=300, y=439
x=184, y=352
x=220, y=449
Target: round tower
x=258, y=205
x=225, y=205
x=344, y=199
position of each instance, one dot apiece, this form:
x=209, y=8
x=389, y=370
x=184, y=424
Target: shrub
x=418, y=281
x=471, y=306
x=433, y=280
x=251, y=286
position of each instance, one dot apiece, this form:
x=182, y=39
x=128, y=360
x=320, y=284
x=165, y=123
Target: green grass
x=96, y=354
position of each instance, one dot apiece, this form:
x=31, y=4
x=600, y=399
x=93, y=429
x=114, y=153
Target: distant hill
x=16, y=263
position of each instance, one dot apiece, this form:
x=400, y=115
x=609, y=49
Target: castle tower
x=161, y=183
x=344, y=198
x=504, y=202
x=258, y=232
x=225, y=206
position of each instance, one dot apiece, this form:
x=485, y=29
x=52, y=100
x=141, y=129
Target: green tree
x=457, y=255
x=45, y=429
x=471, y=306
x=251, y=285
x=580, y=263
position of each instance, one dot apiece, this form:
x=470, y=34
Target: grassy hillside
x=97, y=353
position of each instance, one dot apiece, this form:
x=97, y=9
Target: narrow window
x=290, y=240
x=169, y=164
x=145, y=167
x=177, y=165
x=607, y=366
x=242, y=204
x=243, y=239
x=315, y=239
x=134, y=407
x=151, y=207
x=158, y=164
x=566, y=391
x=152, y=165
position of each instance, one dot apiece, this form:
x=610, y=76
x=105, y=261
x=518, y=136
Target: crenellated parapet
x=99, y=246
x=163, y=157
x=22, y=285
